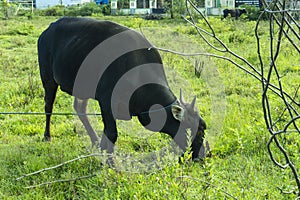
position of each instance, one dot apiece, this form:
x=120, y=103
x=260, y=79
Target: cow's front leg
x=110, y=134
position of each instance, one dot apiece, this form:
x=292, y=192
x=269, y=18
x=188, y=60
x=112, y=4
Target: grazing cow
x=120, y=69
x=234, y=12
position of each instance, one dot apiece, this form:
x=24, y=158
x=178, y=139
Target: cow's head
x=187, y=115
x=243, y=11
x=176, y=120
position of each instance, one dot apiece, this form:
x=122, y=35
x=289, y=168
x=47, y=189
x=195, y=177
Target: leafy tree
x=176, y=8
x=123, y=3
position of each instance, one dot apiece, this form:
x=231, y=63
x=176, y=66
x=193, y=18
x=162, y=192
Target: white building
x=137, y=6
x=215, y=7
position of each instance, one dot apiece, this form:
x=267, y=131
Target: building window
x=209, y=4
x=142, y=3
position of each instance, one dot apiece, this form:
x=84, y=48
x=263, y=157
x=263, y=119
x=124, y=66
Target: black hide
x=117, y=67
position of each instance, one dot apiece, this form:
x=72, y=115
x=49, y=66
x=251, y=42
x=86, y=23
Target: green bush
x=252, y=12
x=23, y=29
x=87, y=9
x=53, y=11
x=72, y=11
x=106, y=9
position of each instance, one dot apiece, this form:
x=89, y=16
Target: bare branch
x=281, y=25
x=60, y=165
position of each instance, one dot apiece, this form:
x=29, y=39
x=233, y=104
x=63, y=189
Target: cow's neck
x=149, y=95
x=153, y=109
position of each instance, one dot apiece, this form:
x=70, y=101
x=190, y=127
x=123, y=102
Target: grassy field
x=228, y=99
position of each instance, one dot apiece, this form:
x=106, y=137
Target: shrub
x=53, y=11
x=72, y=11
x=252, y=12
x=106, y=9
x=89, y=9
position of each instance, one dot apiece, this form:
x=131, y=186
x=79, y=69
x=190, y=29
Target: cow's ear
x=177, y=112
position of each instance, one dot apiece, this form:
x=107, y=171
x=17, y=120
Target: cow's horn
x=181, y=97
x=193, y=104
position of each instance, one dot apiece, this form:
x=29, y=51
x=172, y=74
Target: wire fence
x=281, y=107
x=43, y=113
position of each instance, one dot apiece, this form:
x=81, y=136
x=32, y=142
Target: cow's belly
x=65, y=70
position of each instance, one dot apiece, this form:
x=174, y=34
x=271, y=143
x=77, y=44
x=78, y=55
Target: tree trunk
x=171, y=9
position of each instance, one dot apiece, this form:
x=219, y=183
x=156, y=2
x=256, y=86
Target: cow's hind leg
x=80, y=107
x=50, y=93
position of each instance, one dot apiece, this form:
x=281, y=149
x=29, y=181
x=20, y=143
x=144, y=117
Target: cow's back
x=66, y=43
x=90, y=59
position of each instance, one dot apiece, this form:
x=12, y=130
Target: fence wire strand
x=282, y=27
x=43, y=113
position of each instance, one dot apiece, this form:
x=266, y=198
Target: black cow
x=120, y=69
x=234, y=12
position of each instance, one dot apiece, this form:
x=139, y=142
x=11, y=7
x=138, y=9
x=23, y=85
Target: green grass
x=228, y=99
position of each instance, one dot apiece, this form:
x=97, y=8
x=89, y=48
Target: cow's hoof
x=111, y=162
x=46, y=139
x=96, y=144
x=198, y=160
